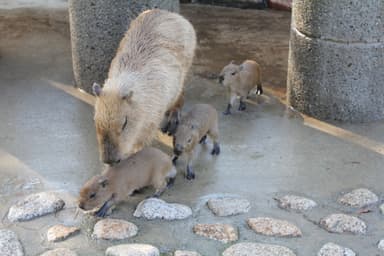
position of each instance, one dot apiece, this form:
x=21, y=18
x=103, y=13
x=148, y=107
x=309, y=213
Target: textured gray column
x=97, y=27
x=336, y=59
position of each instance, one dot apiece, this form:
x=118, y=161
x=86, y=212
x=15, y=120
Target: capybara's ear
x=241, y=67
x=232, y=62
x=96, y=88
x=127, y=96
x=103, y=182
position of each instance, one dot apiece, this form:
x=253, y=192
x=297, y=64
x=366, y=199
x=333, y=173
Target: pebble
x=60, y=232
x=59, y=252
x=34, y=206
x=297, y=203
x=359, y=198
x=274, y=227
x=257, y=249
x=380, y=245
x=221, y=232
x=186, y=253
x=342, y=223
x=331, y=249
x=228, y=206
x=132, y=250
x=154, y=208
x=114, y=229
x=10, y=244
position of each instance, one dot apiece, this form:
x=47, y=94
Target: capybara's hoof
x=216, y=149
x=242, y=106
x=203, y=139
x=190, y=176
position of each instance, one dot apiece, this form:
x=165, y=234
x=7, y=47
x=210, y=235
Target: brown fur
x=241, y=80
x=145, y=81
x=201, y=120
x=148, y=167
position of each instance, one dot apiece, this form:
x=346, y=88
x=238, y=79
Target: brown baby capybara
x=201, y=120
x=148, y=167
x=241, y=80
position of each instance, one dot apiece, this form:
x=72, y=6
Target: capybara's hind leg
x=160, y=188
x=214, y=134
x=259, y=89
x=171, y=176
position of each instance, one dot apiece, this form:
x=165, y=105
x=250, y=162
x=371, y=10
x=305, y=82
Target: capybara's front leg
x=102, y=212
x=203, y=139
x=214, y=135
x=190, y=175
x=242, y=105
x=230, y=104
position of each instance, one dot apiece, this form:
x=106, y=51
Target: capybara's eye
x=125, y=124
x=234, y=73
x=91, y=196
x=189, y=141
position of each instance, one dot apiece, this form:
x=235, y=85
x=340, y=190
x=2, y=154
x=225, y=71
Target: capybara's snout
x=221, y=79
x=81, y=205
x=178, y=149
x=109, y=155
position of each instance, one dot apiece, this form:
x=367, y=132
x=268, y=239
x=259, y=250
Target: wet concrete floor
x=48, y=142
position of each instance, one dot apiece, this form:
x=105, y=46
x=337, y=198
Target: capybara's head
x=95, y=193
x=185, y=138
x=229, y=74
x=115, y=121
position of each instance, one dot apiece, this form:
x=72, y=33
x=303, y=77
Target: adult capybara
x=201, y=120
x=241, y=80
x=145, y=80
x=148, y=167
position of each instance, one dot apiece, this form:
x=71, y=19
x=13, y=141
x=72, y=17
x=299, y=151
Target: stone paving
x=118, y=229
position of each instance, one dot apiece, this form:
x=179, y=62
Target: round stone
x=59, y=252
x=10, y=244
x=35, y=205
x=380, y=245
x=228, y=206
x=154, y=208
x=297, y=203
x=60, y=232
x=274, y=227
x=186, y=253
x=257, y=249
x=114, y=229
x=359, y=198
x=331, y=249
x=342, y=223
x=132, y=250
x=221, y=232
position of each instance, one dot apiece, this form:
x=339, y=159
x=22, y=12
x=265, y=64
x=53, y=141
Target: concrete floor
x=47, y=141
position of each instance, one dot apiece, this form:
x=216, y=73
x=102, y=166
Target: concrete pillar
x=97, y=27
x=336, y=59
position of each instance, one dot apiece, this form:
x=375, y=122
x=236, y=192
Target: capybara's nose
x=221, y=79
x=81, y=205
x=178, y=149
x=108, y=161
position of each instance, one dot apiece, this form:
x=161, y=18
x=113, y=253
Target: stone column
x=336, y=59
x=97, y=26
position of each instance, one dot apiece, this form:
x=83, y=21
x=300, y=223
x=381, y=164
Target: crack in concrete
x=336, y=41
